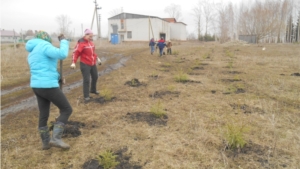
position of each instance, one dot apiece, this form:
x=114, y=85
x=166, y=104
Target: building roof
x=172, y=20
x=131, y=16
x=10, y=33
x=138, y=16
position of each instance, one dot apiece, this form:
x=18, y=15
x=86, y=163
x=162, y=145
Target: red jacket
x=86, y=51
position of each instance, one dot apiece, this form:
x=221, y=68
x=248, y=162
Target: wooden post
x=151, y=28
x=14, y=40
x=93, y=18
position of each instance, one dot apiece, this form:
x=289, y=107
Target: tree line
x=270, y=21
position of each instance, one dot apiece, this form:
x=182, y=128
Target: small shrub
x=230, y=89
x=197, y=62
x=236, y=78
x=240, y=86
x=190, y=70
x=107, y=160
x=106, y=93
x=163, y=69
x=181, y=77
x=175, y=53
x=171, y=88
x=166, y=65
x=235, y=136
x=157, y=110
x=154, y=74
x=229, y=54
x=230, y=64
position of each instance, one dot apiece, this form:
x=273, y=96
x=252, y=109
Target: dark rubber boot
x=45, y=136
x=56, y=140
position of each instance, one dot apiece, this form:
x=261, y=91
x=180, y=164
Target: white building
x=135, y=27
x=9, y=36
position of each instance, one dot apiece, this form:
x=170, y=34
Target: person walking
x=44, y=81
x=169, y=48
x=85, y=49
x=161, y=45
x=152, y=46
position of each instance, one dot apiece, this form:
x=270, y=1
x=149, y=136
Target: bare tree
x=191, y=36
x=261, y=19
x=197, y=13
x=174, y=11
x=224, y=24
x=209, y=13
x=64, y=23
x=115, y=12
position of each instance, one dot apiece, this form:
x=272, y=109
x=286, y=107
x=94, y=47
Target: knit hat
x=88, y=31
x=43, y=35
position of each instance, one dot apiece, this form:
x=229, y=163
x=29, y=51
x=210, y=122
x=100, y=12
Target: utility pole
x=96, y=14
x=99, y=26
x=81, y=29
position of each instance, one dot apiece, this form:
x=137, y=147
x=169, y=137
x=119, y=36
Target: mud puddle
x=31, y=101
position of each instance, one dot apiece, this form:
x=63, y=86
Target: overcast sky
x=40, y=14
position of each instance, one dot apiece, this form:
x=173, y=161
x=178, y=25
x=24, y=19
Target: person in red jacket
x=85, y=49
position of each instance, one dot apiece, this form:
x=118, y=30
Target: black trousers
x=87, y=72
x=46, y=96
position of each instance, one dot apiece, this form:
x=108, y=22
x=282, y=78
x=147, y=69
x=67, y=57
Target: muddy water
x=31, y=101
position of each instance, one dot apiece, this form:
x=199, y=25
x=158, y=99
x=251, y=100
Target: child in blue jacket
x=152, y=45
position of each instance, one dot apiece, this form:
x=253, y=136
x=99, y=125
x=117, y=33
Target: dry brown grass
x=197, y=119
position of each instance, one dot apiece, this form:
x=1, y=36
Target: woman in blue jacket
x=42, y=60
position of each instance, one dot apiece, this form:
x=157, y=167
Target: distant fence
x=248, y=38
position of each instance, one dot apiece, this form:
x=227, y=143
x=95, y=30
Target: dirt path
x=31, y=101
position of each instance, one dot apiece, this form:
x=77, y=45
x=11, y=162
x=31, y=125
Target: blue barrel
x=114, y=38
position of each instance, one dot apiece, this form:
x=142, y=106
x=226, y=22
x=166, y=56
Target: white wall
x=9, y=39
x=140, y=29
x=178, y=31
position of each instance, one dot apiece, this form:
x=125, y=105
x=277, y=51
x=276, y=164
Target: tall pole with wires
x=96, y=14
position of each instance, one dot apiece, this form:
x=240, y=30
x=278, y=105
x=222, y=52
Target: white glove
x=73, y=66
x=99, y=61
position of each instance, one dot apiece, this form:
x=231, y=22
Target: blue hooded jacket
x=42, y=61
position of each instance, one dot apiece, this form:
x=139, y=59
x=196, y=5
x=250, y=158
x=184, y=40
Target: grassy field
x=209, y=105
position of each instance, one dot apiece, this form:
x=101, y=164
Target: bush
x=166, y=65
x=107, y=160
x=235, y=136
x=181, y=77
x=157, y=110
x=207, y=37
x=106, y=93
x=175, y=53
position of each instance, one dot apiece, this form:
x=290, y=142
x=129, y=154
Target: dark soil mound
x=160, y=94
x=102, y=100
x=295, y=74
x=122, y=157
x=71, y=129
x=148, y=117
x=231, y=80
x=134, y=83
x=246, y=109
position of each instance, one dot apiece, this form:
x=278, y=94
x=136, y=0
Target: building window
x=122, y=24
x=129, y=35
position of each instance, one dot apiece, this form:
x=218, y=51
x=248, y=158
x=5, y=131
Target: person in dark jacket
x=85, y=49
x=44, y=81
x=152, y=46
x=161, y=45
